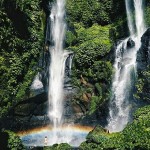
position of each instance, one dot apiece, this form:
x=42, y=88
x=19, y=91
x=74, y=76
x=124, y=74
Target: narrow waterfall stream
x=59, y=72
x=129, y=17
x=56, y=79
x=125, y=69
x=57, y=69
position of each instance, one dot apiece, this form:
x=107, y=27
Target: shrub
x=10, y=141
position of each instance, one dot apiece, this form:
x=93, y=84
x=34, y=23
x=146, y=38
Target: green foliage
x=23, y=88
x=14, y=142
x=147, y=18
x=62, y=146
x=70, y=38
x=96, y=32
x=99, y=89
x=142, y=114
x=143, y=86
x=100, y=74
x=88, y=12
x=90, y=47
x=135, y=136
x=95, y=101
x=93, y=25
x=93, y=44
x=119, y=29
x=21, y=43
x=104, y=12
x=100, y=71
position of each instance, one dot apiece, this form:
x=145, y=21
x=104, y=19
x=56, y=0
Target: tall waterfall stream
x=125, y=69
x=57, y=72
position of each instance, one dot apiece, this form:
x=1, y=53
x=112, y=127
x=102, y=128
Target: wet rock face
x=24, y=109
x=27, y=114
x=143, y=55
x=46, y=5
x=130, y=43
x=33, y=112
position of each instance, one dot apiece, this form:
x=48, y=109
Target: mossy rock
x=97, y=134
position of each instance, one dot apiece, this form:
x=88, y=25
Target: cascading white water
x=139, y=18
x=57, y=73
x=125, y=70
x=129, y=17
x=57, y=67
x=37, y=84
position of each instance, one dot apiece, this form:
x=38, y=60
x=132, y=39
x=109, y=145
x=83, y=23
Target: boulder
x=24, y=109
x=27, y=114
x=130, y=43
x=41, y=109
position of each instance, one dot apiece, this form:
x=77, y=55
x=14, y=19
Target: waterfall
x=129, y=16
x=57, y=67
x=60, y=64
x=125, y=70
x=37, y=86
x=139, y=18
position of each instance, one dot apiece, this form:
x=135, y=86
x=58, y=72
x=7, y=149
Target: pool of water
x=46, y=136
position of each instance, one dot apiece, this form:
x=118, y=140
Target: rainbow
x=71, y=134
